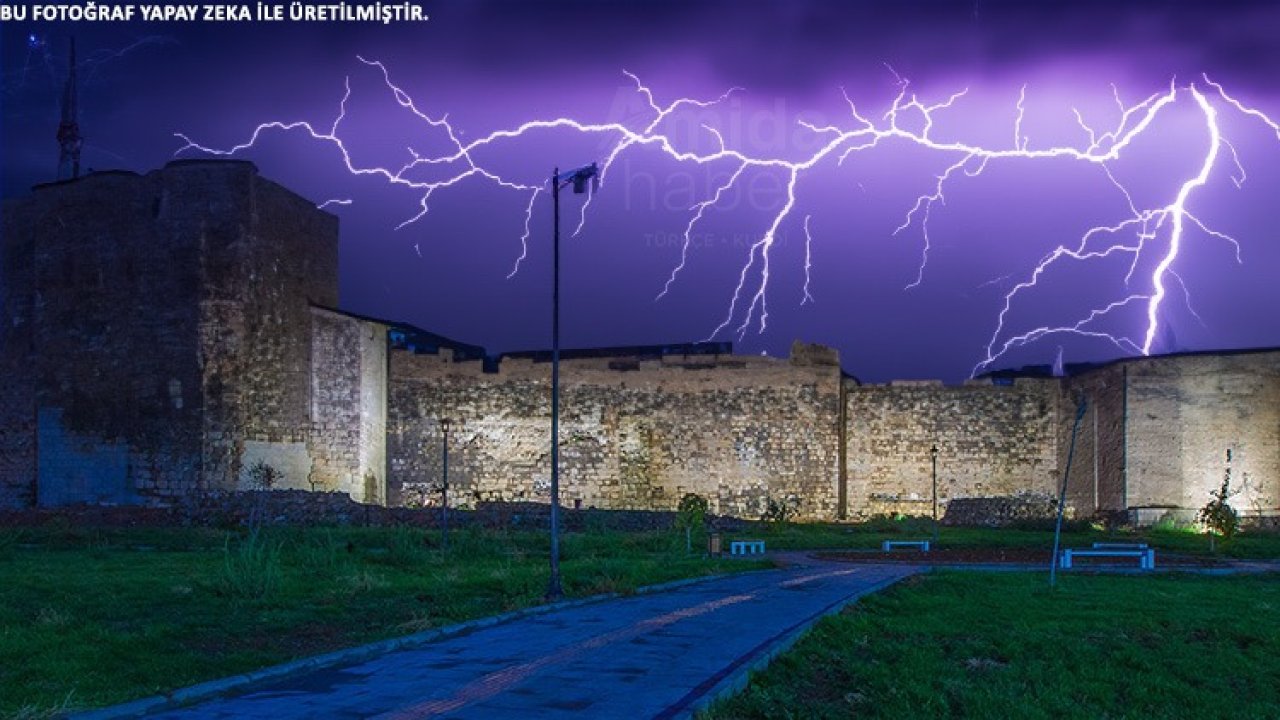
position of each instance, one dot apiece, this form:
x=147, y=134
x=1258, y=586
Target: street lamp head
x=583, y=174
x=934, y=450
x=444, y=425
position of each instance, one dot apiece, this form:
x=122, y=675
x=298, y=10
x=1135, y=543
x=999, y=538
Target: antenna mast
x=69, y=140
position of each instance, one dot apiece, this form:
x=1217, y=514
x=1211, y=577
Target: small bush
x=1170, y=523
x=894, y=524
x=780, y=512
x=1217, y=516
x=263, y=476
x=691, y=516
x=884, y=523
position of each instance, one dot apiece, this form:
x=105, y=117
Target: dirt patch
x=1009, y=556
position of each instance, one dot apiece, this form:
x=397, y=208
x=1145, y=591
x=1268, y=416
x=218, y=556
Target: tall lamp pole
x=933, y=455
x=578, y=178
x=444, y=482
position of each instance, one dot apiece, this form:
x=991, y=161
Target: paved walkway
x=658, y=655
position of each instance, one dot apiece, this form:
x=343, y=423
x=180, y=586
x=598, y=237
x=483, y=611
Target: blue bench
x=1119, y=546
x=746, y=547
x=888, y=545
x=1146, y=556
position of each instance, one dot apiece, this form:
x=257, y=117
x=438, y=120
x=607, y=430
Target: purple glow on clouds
x=491, y=66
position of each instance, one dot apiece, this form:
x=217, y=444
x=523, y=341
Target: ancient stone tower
x=158, y=338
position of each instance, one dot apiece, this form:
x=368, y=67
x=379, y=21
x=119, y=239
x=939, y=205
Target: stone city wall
x=1183, y=415
x=634, y=434
x=1096, y=480
x=347, y=445
x=163, y=334
x=269, y=255
x=993, y=440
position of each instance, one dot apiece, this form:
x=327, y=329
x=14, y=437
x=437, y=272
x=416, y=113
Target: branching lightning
x=1156, y=232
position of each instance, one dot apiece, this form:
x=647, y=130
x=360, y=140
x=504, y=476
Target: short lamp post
x=579, y=178
x=933, y=458
x=444, y=482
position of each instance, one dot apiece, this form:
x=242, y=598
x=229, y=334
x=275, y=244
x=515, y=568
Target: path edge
x=738, y=680
x=213, y=688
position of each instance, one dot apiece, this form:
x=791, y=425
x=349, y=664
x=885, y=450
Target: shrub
x=1217, y=516
x=263, y=476
x=691, y=515
x=780, y=512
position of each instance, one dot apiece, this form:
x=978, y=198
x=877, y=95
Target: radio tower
x=69, y=140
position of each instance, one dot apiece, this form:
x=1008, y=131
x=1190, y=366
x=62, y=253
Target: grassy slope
x=1001, y=645
x=89, y=618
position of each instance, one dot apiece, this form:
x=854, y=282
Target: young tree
x=1217, y=516
x=691, y=514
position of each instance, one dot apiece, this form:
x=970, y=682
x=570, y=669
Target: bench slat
x=888, y=545
x=746, y=547
x=1146, y=557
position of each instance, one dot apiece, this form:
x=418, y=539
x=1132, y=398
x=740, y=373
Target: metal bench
x=888, y=545
x=746, y=547
x=1146, y=556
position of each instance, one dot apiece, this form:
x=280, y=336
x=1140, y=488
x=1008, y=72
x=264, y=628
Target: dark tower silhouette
x=69, y=140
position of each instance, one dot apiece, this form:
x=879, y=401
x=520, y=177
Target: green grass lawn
x=997, y=645
x=90, y=617
x=94, y=617
x=807, y=536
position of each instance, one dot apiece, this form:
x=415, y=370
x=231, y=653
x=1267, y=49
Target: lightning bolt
x=908, y=119
x=1178, y=211
x=808, y=262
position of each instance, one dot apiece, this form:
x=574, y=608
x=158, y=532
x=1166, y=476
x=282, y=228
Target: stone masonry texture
x=1184, y=415
x=157, y=336
x=168, y=336
x=739, y=431
x=991, y=441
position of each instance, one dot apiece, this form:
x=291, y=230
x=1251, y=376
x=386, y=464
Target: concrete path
x=658, y=655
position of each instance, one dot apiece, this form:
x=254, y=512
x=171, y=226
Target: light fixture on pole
x=579, y=178
x=444, y=482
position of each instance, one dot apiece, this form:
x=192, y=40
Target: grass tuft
x=44, y=712
x=251, y=569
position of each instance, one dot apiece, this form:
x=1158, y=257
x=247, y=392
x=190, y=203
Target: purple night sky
x=494, y=65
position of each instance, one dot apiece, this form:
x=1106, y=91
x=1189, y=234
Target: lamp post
x=933, y=456
x=578, y=178
x=444, y=482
